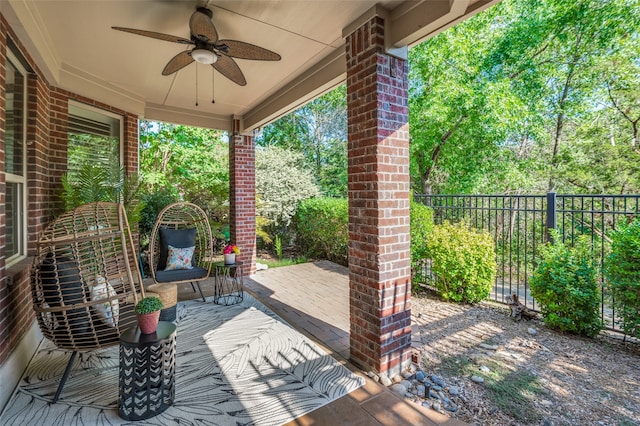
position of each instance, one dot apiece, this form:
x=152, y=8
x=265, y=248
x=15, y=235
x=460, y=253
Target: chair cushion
x=181, y=274
x=179, y=238
x=179, y=258
x=63, y=271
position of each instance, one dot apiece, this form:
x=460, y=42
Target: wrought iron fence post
x=551, y=216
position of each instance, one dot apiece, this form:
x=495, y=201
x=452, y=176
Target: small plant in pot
x=148, y=311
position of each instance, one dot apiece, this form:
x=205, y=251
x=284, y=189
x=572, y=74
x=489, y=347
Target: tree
x=455, y=113
x=282, y=181
x=190, y=162
x=507, y=100
x=318, y=130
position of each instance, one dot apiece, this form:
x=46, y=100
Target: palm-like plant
x=96, y=182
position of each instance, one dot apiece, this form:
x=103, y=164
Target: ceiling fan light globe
x=204, y=56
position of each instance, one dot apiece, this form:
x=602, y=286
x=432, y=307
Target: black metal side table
x=147, y=367
x=228, y=284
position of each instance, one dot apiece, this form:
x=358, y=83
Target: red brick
x=378, y=183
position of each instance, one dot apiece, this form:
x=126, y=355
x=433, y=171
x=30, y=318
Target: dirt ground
x=532, y=375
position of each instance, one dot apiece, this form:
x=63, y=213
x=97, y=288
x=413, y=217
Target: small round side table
x=228, y=284
x=147, y=368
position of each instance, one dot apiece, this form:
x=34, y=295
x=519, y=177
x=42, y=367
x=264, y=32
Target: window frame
x=21, y=181
x=76, y=105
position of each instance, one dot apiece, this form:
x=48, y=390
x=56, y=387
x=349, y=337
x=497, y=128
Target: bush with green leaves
x=421, y=229
x=282, y=182
x=463, y=262
x=622, y=270
x=564, y=285
x=153, y=204
x=322, y=228
x=148, y=304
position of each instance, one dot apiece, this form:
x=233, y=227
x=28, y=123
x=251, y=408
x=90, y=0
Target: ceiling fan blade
x=152, y=34
x=201, y=25
x=178, y=62
x=242, y=50
x=228, y=67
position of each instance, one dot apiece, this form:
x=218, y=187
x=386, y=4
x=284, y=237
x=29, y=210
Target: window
x=94, y=138
x=15, y=163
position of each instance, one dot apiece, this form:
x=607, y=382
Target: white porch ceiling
x=73, y=44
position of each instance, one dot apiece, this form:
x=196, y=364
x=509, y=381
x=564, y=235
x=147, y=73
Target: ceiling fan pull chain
x=196, y=84
x=213, y=86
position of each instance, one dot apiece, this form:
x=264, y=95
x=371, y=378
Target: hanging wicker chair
x=86, y=280
x=181, y=226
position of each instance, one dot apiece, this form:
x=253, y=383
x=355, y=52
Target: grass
x=287, y=261
x=512, y=391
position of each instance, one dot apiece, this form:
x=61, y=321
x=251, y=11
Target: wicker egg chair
x=85, y=280
x=181, y=226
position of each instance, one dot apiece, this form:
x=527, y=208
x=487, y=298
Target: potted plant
x=230, y=251
x=148, y=311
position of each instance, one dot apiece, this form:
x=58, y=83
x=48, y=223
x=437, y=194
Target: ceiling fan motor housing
x=204, y=56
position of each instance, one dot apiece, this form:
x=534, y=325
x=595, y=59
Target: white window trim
x=11, y=178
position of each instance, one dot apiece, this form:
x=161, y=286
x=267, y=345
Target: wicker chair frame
x=183, y=215
x=79, y=255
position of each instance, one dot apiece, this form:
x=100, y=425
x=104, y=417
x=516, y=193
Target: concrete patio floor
x=314, y=298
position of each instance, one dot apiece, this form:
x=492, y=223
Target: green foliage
x=463, y=261
x=527, y=96
x=564, y=284
x=263, y=236
x=148, y=304
x=153, y=204
x=283, y=262
x=278, y=246
x=622, y=271
x=191, y=162
x=421, y=229
x=321, y=228
x=97, y=182
x=282, y=182
x=318, y=131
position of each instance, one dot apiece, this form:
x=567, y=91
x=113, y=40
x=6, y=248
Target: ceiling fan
x=208, y=49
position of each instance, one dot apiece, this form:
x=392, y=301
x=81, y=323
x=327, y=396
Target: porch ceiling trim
x=322, y=77
x=187, y=117
x=78, y=81
x=410, y=23
x=29, y=26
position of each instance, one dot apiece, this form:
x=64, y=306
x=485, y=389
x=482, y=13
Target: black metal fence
x=519, y=224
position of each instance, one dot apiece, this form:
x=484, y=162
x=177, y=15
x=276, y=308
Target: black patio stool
x=147, y=368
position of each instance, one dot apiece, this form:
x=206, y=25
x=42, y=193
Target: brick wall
x=242, y=199
x=46, y=151
x=4, y=291
x=378, y=165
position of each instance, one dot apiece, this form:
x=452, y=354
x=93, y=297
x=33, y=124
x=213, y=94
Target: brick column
x=242, y=199
x=379, y=246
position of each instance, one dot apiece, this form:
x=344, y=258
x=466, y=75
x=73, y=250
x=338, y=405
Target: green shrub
x=148, y=304
x=153, y=204
x=278, y=246
x=421, y=229
x=322, y=228
x=463, y=261
x=564, y=284
x=622, y=271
